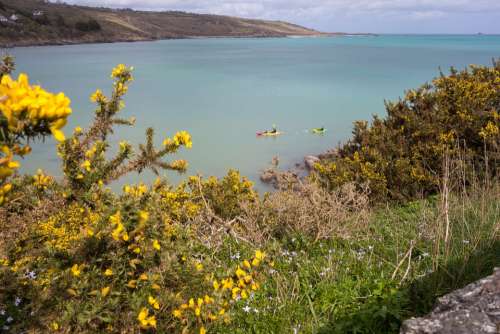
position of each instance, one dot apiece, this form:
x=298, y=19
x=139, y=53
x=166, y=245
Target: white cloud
x=331, y=13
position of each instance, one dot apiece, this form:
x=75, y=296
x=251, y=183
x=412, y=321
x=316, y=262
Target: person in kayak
x=274, y=130
x=319, y=130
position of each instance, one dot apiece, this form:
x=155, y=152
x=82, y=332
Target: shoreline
x=23, y=44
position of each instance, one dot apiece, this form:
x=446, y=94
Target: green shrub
x=88, y=26
x=401, y=156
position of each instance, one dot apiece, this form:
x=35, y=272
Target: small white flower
x=9, y=319
x=272, y=271
x=17, y=301
x=256, y=310
x=370, y=247
x=466, y=242
x=425, y=254
x=247, y=309
x=235, y=256
x=31, y=275
x=5, y=328
x=2, y=312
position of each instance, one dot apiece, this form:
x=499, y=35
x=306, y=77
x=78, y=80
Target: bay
x=224, y=90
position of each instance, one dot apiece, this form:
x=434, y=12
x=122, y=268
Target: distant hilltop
x=39, y=22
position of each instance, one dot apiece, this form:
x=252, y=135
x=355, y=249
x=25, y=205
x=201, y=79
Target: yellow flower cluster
x=123, y=75
x=145, y=320
x=4, y=189
x=135, y=191
x=64, y=229
x=489, y=131
x=41, y=181
x=119, y=231
x=119, y=70
x=242, y=283
x=26, y=106
x=180, y=165
x=237, y=286
x=178, y=203
x=76, y=269
x=98, y=97
x=181, y=138
x=7, y=165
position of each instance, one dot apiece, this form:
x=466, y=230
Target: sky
x=377, y=16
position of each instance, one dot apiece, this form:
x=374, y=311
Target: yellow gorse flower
x=145, y=320
x=7, y=166
x=3, y=191
x=153, y=302
x=199, y=266
x=183, y=138
x=118, y=71
x=143, y=216
x=24, y=106
x=40, y=180
x=105, y=291
x=86, y=165
x=177, y=313
x=76, y=270
x=98, y=97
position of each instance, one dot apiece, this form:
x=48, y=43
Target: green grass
x=347, y=286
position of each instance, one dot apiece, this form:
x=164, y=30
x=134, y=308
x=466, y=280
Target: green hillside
x=35, y=22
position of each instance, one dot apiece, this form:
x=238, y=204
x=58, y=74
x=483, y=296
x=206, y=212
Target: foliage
x=402, y=155
x=224, y=196
x=27, y=112
x=211, y=255
x=96, y=254
x=88, y=26
x=85, y=164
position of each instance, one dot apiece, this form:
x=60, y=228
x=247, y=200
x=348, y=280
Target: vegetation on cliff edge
x=331, y=254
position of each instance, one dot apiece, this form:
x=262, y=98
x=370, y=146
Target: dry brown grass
x=20, y=214
x=304, y=209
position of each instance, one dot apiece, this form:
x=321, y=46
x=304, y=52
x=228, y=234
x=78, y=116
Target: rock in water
x=268, y=176
x=474, y=309
x=310, y=161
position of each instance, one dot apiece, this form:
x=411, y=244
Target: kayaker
x=274, y=130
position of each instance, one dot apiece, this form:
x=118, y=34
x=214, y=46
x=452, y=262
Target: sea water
x=224, y=90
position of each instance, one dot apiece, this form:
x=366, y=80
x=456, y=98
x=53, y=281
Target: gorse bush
x=84, y=155
x=91, y=260
x=401, y=156
x=27, y=112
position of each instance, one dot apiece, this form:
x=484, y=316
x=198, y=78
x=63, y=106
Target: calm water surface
x=224, y=90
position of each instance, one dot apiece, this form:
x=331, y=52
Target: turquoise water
x=224, y=90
